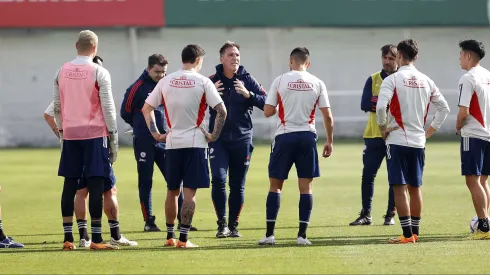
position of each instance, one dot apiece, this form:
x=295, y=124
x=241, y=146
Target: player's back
x=298, y=94
x=81, y=107
x=478, y=80
x=184, y=100
x=409, y=105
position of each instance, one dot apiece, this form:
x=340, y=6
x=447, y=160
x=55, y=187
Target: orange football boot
x=169, y=242
x=402, y=240
x=103, y=246
x=68, y=246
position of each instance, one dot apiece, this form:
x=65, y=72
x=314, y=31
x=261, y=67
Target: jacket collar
x=240, y=72
x=383, y=74
x=146, y=77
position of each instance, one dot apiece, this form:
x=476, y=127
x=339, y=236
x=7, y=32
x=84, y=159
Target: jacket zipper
x=230, y=103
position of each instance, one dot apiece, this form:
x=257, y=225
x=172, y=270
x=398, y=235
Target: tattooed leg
x=187, y=213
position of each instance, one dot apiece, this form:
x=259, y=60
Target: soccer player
x=86, y=120
x=472, y=125
x=147, y=151
x=233, y=150
x=408, y=92
x=111, y=206
x=5, y=241
x=294, y=96
x=184, y=95
x=111, y=209
x=374, y=145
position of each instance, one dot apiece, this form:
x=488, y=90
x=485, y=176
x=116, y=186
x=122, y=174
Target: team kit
x=166, y=112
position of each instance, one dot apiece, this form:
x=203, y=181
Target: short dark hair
x=228, y=44
x=389, y=48
x=191, y=53
x=474, y=46
x=97, y=59
x=157, y=59
x=408, y=48
x=300, y=54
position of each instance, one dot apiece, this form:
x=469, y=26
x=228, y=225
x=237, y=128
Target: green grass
x=31, y=193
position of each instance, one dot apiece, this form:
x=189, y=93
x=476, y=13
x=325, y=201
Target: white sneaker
x=84, y=243
x=267, y=240
x=123, y=242
x=302, y=241
x=187, y=244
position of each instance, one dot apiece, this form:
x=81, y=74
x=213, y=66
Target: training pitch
x=31, y=193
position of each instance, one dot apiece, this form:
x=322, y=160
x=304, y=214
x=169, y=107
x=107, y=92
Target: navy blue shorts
x=298, y=148
x=187, y=166
x=475, y=157
x=85, y=158
x=109, y=183
x=405, y=165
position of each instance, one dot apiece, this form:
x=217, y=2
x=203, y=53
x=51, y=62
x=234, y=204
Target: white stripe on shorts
x=466, y=144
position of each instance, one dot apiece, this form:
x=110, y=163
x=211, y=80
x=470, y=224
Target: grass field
x=30, y=202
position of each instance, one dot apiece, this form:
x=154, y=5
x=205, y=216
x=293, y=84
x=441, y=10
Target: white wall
x=343, y=58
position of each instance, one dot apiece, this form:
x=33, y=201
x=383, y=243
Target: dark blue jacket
x=368, y=101
x=238, y=125
x=133, y=102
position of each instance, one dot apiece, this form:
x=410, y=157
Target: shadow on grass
x=247, y=245
x=200, y=230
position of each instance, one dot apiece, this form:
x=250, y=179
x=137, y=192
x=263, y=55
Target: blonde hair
x=86, y=40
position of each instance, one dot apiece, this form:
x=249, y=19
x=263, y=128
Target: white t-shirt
x=185, y=96
x=297, y=93
x=50, y=110
x=408, y=93
x=474, y=93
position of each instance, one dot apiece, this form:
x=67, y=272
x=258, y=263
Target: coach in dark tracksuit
x=147, y=151
x=233, y=150
x=374, y=145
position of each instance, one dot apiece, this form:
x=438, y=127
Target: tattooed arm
x=151, y=103
x=219, y=122
x=49, y=117
x=148, y=112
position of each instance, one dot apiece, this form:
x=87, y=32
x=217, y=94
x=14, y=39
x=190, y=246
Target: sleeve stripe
x=262, y=89
x=131, y=95
x=460, y=92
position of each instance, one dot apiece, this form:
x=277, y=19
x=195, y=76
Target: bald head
x=87, y=42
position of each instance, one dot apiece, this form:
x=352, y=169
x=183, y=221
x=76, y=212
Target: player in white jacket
x=406, y=96
x=473, y=126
